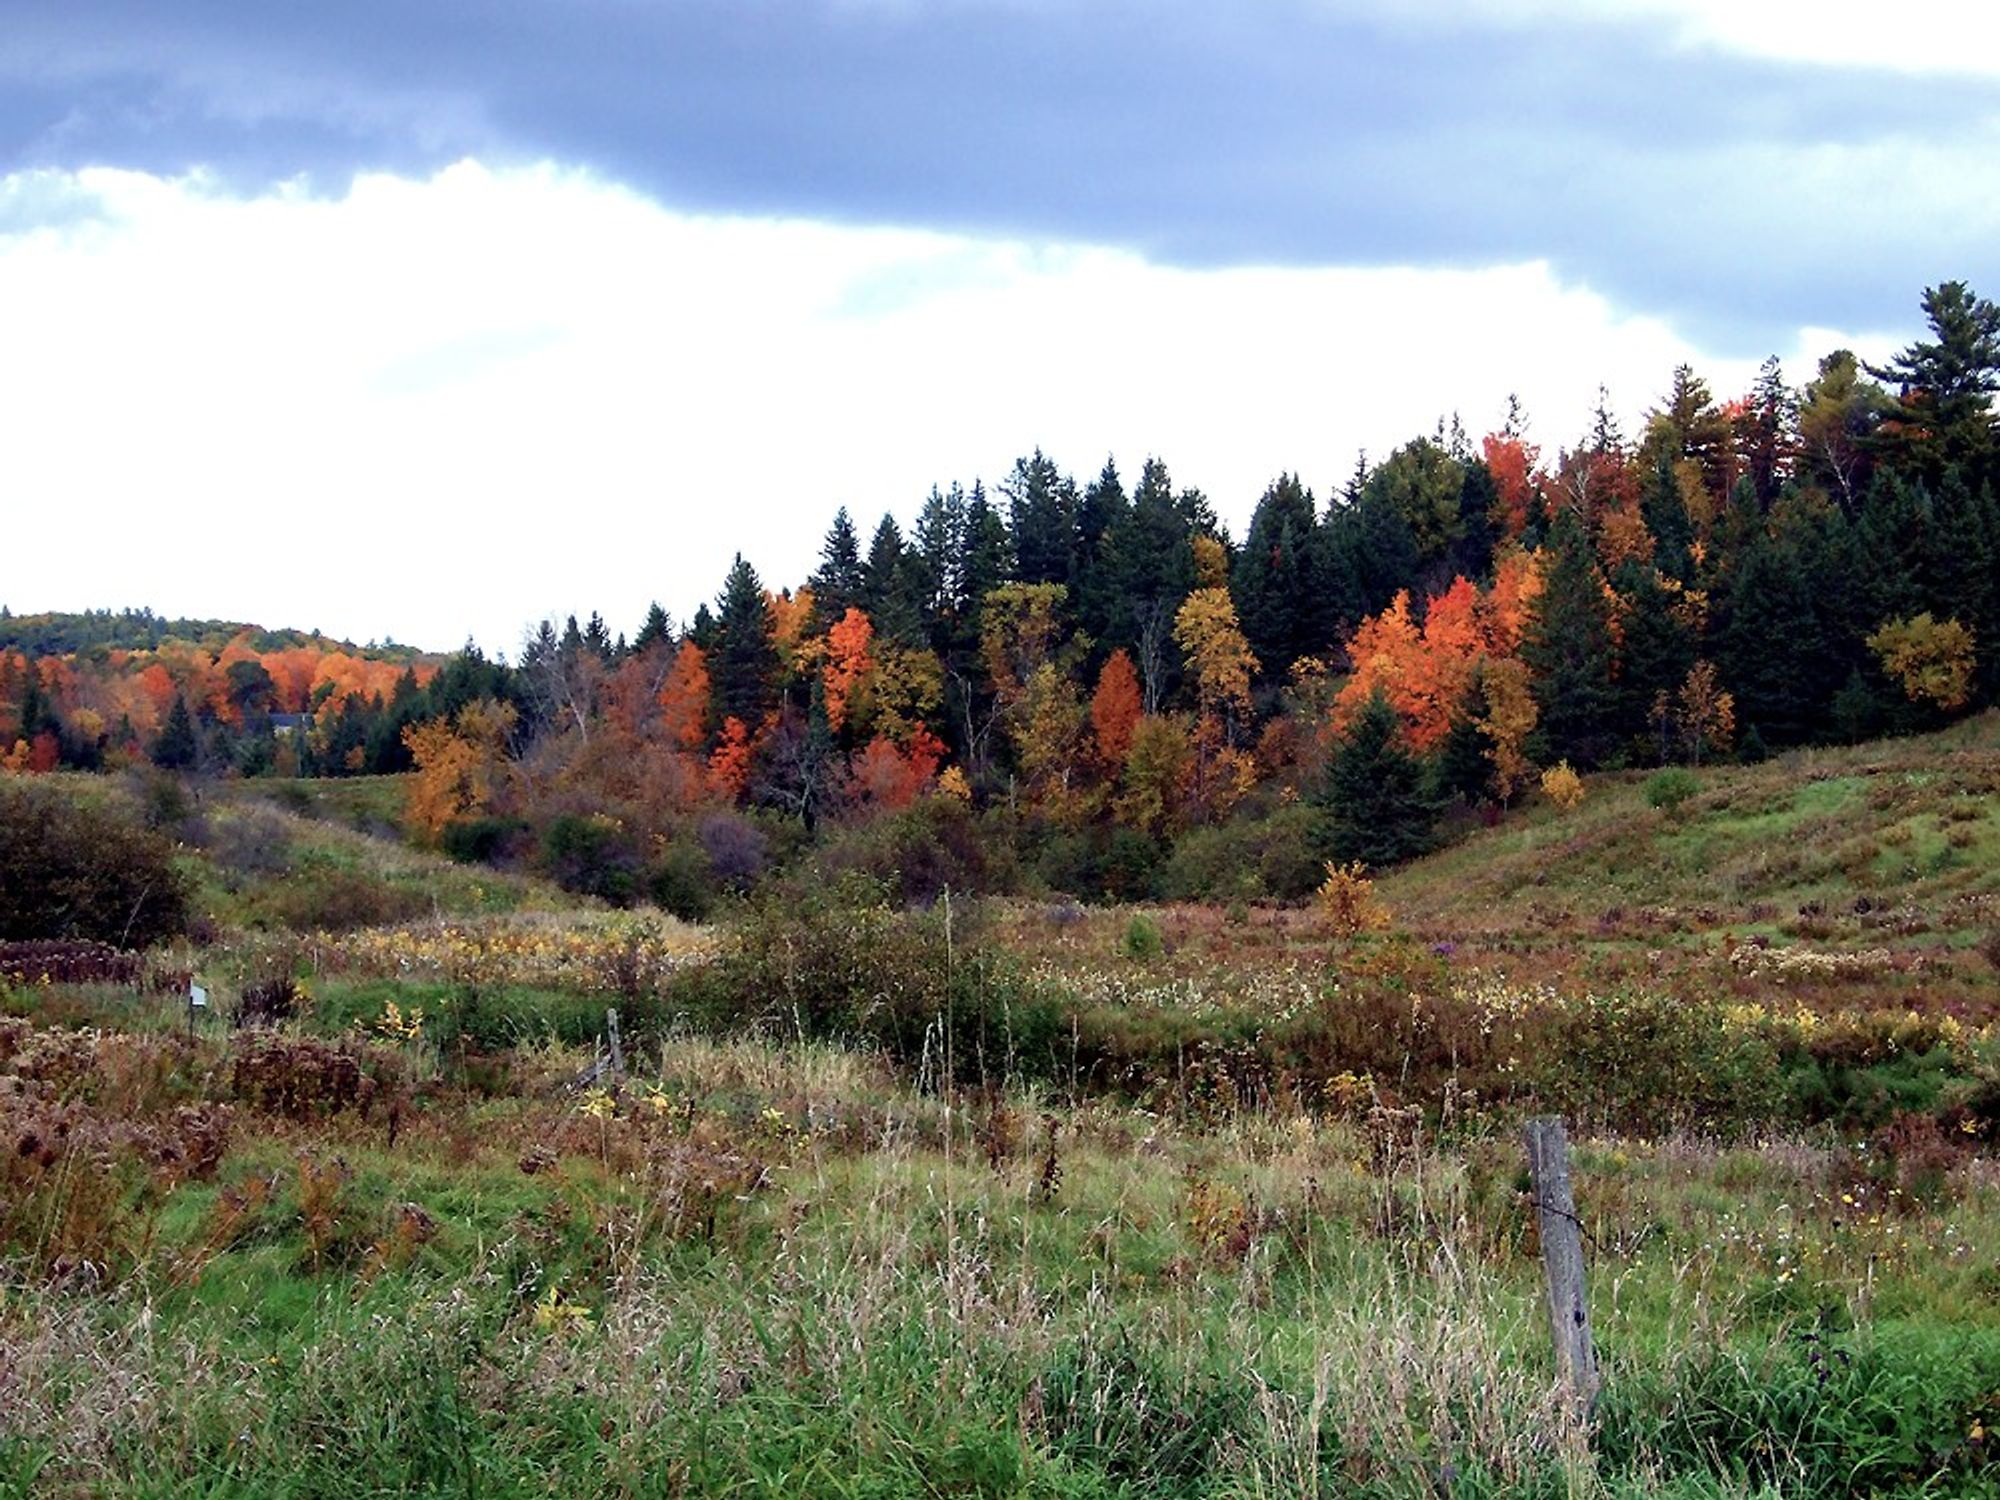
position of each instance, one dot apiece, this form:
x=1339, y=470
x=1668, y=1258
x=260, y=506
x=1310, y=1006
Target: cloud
x=449, y=404
x=1703, y=162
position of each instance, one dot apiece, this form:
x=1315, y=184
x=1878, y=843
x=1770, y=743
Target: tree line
x=1100, y=668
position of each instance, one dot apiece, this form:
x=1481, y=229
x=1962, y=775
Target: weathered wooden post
x=617, y=1051
x=1562, y=1259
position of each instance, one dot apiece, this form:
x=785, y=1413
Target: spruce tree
x=837, y=582
x=1568, y=647
x=1096, y=580
x=1280, y=600
x=743, y=666
x=1042, y=504
x=177, y=748
x=1464, y=769
x=1374, y=805
x=888, y=587
x=658, y=630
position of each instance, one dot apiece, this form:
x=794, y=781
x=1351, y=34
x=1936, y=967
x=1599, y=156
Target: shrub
x=737, y=850
x=593, y=855
x=69, y=870
x=1142, y=938
x=1562, y=786
x=1668, y=789
x=1246, y=860
x=1348, y=902
x=479, y=841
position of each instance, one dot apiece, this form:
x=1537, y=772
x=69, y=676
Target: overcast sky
x=424, y=318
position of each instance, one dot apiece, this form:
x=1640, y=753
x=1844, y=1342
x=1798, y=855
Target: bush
x=918, y=854
x=593, y=855
x=1142, y=938
x=1348, y=902
x=1250, y=859
x=68, y=870
x=1562, y=786
x=1668, y=789
x=682, y=881
x=479, y=841
x=737, y=850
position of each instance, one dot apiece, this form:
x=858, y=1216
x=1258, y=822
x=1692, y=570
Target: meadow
x=1023, y=1197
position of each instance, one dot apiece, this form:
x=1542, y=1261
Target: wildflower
x=554, y=1311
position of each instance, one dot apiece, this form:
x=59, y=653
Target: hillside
x=1816, y=844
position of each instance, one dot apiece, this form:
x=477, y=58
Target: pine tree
x=1568, y=647
x=837, y=583
x=888, y=587
x=177, y=748
x=937, y=563
x=1655, y=654
x=1464, y=766
x=1944, y=413
x=1096, y=580
x=743, y=666
x=1771, y=651
x=1280, y=596
x=1665, y=513
x=1042, y=503
x=658, y=630
x=1373, y=805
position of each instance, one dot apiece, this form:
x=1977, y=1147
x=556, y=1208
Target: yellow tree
x=459, y=764
x=1509, y=721
x=1931, y=660
x=1217, y=652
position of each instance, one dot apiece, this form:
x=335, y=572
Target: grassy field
x=1025, y=1198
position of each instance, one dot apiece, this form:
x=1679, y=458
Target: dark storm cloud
x=1710, y=188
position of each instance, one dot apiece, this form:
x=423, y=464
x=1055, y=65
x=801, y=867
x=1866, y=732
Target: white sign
x=197, y=997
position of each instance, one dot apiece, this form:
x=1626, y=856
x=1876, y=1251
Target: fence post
x=1562, y=1259
x=617, y=1051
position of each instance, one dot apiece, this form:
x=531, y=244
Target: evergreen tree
x=658, y=630
x=937, y=563
x=1373, y=805
x=1471, y=552
x=1965, y=569
x=1898, y=544
x=705, y=629
x=838, y=581
x=1655, y=654
x=888, y=587
x=177, y=748
x=1666, y=516
x=1042, y=505
x=1771, y=650
x=1384, y=549
x=1280, y=597
x=743, y=666
x=1464, y=768
x=1944, y=412
x=1567, y=646
x=1096, y=581
x=1153, y=558
x=597, y=638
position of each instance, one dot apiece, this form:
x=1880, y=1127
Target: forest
x=1092, y=687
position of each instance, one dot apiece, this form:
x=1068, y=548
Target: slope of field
x=1897, y=840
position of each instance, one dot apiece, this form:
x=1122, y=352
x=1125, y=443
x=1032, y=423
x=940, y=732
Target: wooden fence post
x=617, y=1051
x=1562, y=1259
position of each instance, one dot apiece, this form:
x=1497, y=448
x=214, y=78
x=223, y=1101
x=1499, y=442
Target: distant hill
x=62, y=633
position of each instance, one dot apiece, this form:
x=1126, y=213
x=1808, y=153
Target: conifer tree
x=1373, y=805
x=743, y=665
x=1568, y=647
x=177, y=748
x=1280, y=596
x=838, y=581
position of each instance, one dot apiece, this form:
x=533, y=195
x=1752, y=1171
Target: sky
x=425, y=319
